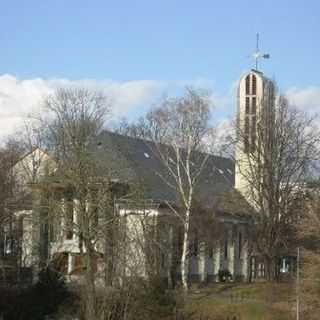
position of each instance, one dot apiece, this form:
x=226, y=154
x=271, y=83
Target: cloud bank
x=306, y=99
x=18, y=98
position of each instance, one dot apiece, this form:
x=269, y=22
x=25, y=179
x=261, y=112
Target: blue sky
x=156, y=46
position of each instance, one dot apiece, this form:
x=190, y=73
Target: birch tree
x=177, y=128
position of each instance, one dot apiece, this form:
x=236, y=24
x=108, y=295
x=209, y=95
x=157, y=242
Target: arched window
x=248, y=84
x=254, y=84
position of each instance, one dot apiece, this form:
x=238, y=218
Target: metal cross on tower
x=259, y=55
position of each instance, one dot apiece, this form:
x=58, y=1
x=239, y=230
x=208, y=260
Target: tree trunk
x=109, y=256
x=170, y=259
x=185, y=251
x=3, y=272
x=90, y=285
x=270, y=268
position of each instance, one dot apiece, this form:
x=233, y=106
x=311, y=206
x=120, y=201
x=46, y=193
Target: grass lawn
x=258, y=301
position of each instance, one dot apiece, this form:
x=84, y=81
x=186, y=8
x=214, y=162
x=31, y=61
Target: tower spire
x=258, y=54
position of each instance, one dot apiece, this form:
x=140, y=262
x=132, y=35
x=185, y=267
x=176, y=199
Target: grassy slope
x=259, y=301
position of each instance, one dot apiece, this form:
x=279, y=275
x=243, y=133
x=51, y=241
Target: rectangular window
x=226, y=249
x=254, y=105
x=254, y=84
x=254, y=123
x=69, y=219
x=247, y=105
x=240, y=244
x=246, y=125
x=253, y=133
x=210, y=249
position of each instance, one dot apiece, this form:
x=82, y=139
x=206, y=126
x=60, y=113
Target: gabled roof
x=135, y=160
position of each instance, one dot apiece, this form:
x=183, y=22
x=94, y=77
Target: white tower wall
x=255, y=101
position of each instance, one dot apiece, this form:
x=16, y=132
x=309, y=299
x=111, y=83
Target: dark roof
x=130, y=159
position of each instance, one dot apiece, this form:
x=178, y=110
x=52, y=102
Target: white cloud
x=220, y=102
x=18, y=97
x=306, y=99
x=224, y=134
x=129, y=95
x=219, y=139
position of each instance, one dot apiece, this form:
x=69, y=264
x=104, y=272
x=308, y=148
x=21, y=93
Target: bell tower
x=256, y=105
x=256, y=102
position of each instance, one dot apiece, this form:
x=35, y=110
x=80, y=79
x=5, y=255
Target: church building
x=218, y=249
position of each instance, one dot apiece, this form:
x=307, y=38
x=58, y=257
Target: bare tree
x=9, y=155
x=177, y=129
x=75, y=118
x=32, y=140
x=275, y=162
x=150, y=127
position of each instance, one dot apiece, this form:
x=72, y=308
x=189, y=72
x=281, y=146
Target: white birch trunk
x=185, y=252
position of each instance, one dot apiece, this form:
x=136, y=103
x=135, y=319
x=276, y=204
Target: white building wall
x=217, y=261
x=204, y=266
x=32, y=168
x=134, y=241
